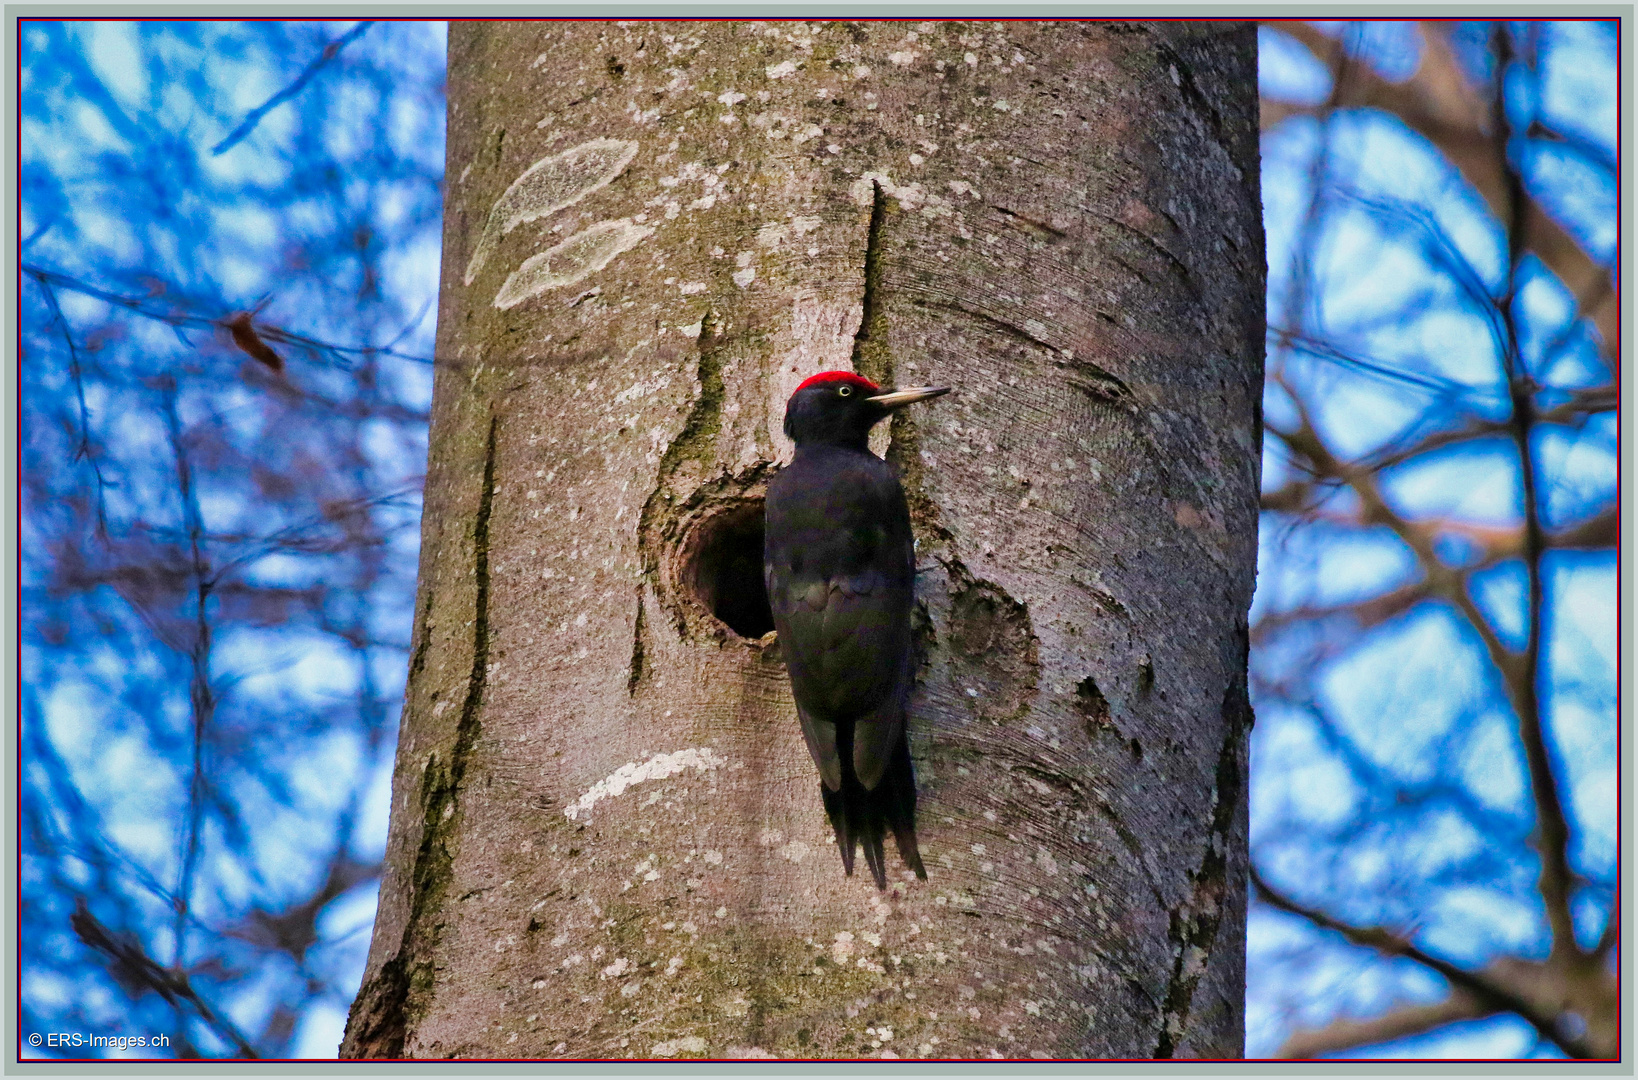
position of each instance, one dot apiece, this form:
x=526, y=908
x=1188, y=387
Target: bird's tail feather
x=836, y=811
x=901, y=807
x=862, y=818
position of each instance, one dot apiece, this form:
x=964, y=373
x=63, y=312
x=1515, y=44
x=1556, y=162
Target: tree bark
x=606, y=835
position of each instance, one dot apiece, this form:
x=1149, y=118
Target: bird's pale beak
x=897, y=399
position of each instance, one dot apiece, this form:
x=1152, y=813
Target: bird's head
x=839, y=408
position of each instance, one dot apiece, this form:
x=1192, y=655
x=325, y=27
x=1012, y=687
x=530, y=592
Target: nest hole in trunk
x=723, y=568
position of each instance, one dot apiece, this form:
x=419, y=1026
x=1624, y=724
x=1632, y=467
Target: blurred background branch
x=1435, y=692
x=231, y=254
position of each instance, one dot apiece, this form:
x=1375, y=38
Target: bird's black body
x=839, y=561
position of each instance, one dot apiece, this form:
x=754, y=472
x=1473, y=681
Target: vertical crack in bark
x=870, y=356
x=637, y=657
x=379, y=1021
x=873, y=358
x=1194, y=924
x=424, y=633
x=466, y=731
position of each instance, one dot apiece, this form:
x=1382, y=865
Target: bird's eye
x=844, y=391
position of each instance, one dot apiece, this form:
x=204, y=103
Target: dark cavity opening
x=1092, y=703
x=725, y=569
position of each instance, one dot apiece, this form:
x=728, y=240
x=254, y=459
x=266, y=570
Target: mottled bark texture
x=607, y=837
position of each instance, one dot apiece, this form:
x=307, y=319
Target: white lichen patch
x=774, y=233
x=911, y=197
x=692, y=1044
x=582, y=254
x=548, y=186
x=657, y=767
x=795, y=851
x=1194, y=962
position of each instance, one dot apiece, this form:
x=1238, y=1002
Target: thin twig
x=327, y=54
x=140, y=305
x=84, y=449
x=200, y=695
x=130, y=964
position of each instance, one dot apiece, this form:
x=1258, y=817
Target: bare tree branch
x=133, y=968
x=1569, y=997
x=1552, y=827
x=84, y=451
x=1400, y=1023
x=1488, y=991
x=179, y=319
x=1579, y=145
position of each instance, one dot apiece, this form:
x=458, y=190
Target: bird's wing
x=839, y=565
x=848, y=640
x=845, y=644
x=875, y=739
x=820, y=736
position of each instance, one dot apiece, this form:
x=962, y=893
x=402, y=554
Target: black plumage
x=839, y=560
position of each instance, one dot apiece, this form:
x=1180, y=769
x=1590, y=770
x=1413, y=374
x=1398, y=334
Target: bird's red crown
x=839, y=376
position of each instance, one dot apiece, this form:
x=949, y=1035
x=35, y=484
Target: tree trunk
x=606, y=837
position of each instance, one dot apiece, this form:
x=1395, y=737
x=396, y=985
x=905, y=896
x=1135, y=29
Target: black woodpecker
x=839, y=561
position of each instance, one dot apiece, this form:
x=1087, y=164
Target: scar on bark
x=378, y=1024
x=695, y=442
x=1194, y=924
